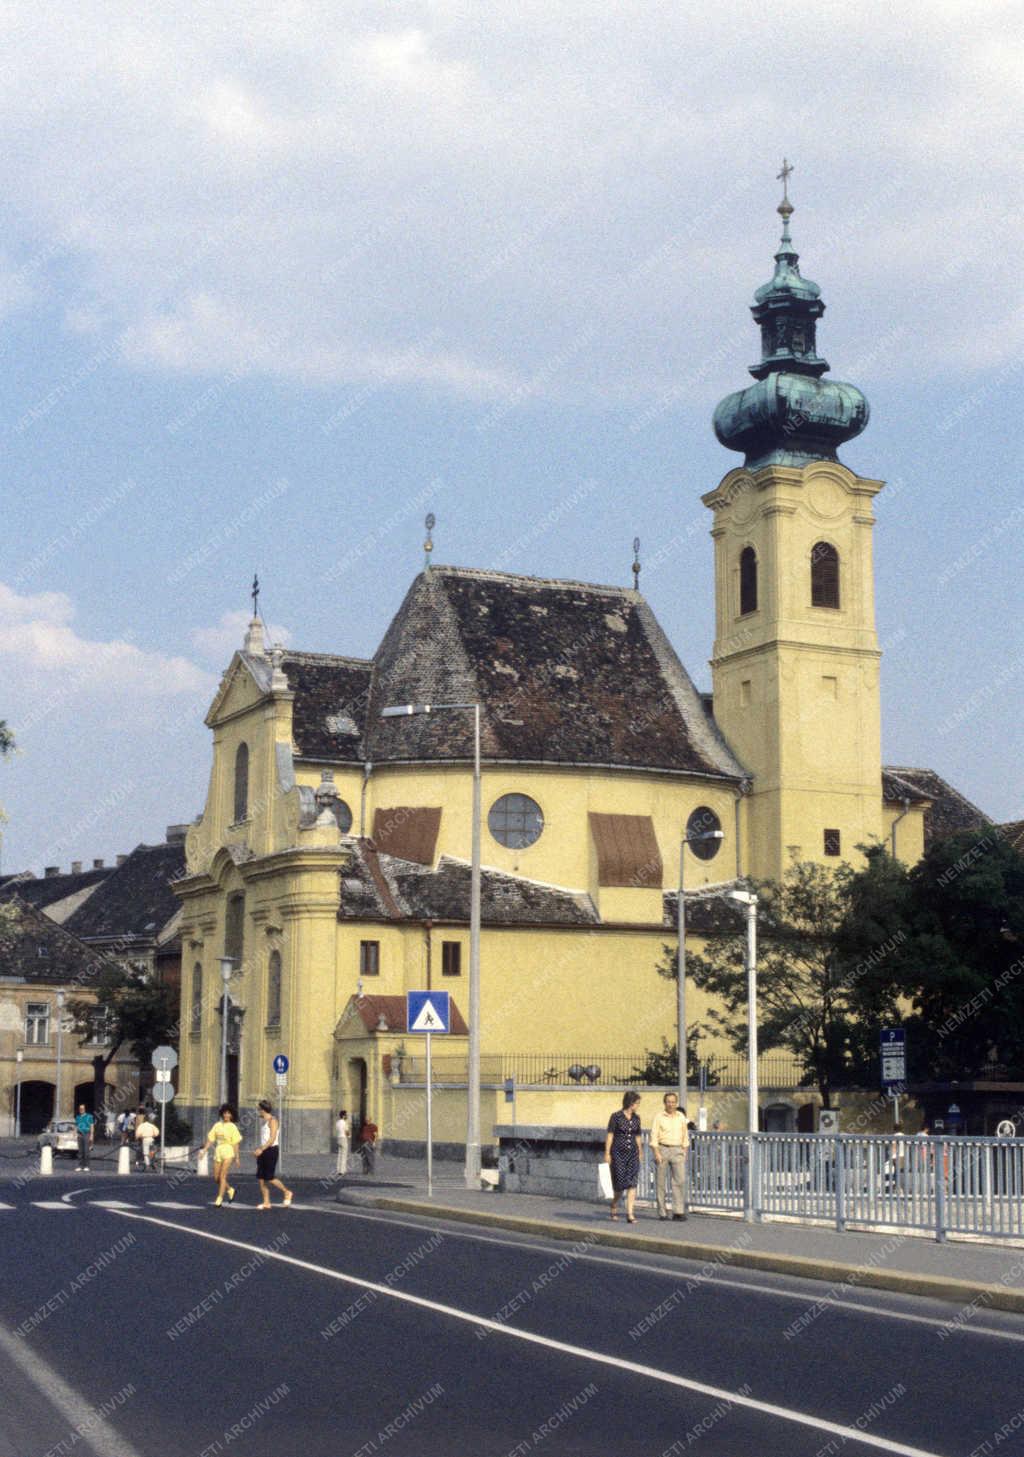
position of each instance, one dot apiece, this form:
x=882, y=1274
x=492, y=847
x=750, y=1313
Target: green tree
x=662, y=1068
x=824, y=989
x=131, y=1009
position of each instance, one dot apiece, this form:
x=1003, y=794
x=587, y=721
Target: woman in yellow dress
x=224, y=1138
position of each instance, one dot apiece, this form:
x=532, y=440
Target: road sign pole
x=430, y=1125
x=280, y=1131
x=163, y=1127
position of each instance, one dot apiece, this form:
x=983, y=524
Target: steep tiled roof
x=565, y=672
x=35, y=949
x=392, y=1010
x=47, y=890
x=330, y=704
x=378, y=886
x=135, y=902
x=948, y=813
x=1013, y=834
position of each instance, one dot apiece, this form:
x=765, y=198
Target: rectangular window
x=37, y=1023
x=830, y=687
x=451, y=958
x=99, y=1027
x=832, y=846
x=369, y=958
x=745, y=693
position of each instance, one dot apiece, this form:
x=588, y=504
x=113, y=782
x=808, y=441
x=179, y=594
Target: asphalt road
x=156, y=1331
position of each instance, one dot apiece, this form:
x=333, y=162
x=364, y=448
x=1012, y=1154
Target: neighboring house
x=39, y=960
x=329, y=869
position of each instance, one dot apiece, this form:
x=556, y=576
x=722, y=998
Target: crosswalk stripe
x=7, y=1206
x=51, y=1204
x=112, y=1204
x=170, y=1204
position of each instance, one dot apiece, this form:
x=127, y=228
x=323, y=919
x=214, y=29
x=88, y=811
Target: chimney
x=176, y=834
x=121, y=859
x=51, y=870
x=76, y=867
x=97, y=865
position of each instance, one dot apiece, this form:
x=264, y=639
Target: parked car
x=61, y=1136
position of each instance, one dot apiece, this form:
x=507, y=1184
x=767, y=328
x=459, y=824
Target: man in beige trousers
x=670, y=1142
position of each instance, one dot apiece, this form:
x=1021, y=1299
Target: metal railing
x=588, y=1069
x=959, y=1186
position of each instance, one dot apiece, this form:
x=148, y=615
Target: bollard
x=203, y=1164
x=124, y=1159
x=46, y=1159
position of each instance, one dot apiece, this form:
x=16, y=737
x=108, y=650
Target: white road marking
x=8, y=1206
x=112, y=1204
x=724, y=1279
x=651, y=1373
x=169, y=1204
x=83, y=1419
x=51, y=1204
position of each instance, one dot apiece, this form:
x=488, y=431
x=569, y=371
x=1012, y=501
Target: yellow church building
x=331, y=862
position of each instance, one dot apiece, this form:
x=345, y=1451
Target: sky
x=276, y=280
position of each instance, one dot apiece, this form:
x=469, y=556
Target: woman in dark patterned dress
x=622, y=1151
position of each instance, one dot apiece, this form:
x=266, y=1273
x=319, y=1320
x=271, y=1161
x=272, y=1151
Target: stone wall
x=535, y=1159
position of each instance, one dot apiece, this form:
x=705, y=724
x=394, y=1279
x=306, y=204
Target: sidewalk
x=966, y=1272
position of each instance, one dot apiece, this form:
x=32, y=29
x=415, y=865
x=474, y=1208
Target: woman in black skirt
x=622, y=1151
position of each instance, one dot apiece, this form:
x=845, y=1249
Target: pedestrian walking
x=622, y=1152
x=85, y=1124
x=145, y=1132
x=343, y=1136
x=126, y=1127
x=368, y=1145
x=224, y=1138
x=267, y=1155
x=670, y=1144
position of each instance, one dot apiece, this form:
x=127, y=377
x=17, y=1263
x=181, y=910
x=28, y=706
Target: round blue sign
x=280, y=1063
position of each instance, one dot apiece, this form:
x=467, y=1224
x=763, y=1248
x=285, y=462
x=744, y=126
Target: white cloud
x=314, y=191
x=39, y=648
x=218, y=643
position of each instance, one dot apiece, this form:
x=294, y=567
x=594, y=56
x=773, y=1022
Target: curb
x=903, y=1282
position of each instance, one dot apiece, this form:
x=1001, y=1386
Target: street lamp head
x=742, y=897
x=703, y=835
x=403, y=710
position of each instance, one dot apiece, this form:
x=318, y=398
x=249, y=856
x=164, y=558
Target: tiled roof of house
x=1013, y=834
x=35, y=949
x=391, y=1010
x=329, y=714
x=47, y=890
x=135, y=902
x=948, y=813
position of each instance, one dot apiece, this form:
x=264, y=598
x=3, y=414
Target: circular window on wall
x=703, y=821
x=515, y=821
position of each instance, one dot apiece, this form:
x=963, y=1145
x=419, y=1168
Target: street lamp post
x=748, y=899
x=681, y=960
x=472, y=1169
x=19, y=1057
x=227, y=964
x=60, y=1053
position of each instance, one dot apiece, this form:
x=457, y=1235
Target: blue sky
x=276, y=281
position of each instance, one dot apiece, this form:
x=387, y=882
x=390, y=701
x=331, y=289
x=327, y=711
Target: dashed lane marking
x=171, y=1204
x=51, y=1204
x=650, y=1373
x=110, y=1204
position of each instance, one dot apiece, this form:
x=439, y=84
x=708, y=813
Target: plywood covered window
x=627, y=851
x=748, y=580
x=241, y=783
x=409, y=832
x=824, y=575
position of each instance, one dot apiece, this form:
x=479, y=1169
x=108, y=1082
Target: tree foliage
x=134, y=1010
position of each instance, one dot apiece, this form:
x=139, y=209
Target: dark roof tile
x=135, y=902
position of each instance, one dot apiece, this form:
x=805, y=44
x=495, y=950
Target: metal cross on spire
x=636, y=563
x=785, y=208
x=428, y=545
x=255, y=595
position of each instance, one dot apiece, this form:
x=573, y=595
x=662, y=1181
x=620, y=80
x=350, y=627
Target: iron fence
x=587, y=1069
x=959, y=1186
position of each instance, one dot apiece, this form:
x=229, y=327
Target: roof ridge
x=488, y=574
x=302, y=655
x=921, y=769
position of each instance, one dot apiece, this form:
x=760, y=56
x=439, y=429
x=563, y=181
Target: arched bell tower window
x=824, y=575
x=241, y=783
x=748, y=580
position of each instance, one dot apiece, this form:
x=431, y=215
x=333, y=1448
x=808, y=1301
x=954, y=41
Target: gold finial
x=785, y=207
x=428, y=545
x=636, y=563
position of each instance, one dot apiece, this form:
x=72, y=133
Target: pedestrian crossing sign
x=427, y=1012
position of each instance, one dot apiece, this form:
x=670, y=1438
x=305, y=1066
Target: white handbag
x=604, y=1181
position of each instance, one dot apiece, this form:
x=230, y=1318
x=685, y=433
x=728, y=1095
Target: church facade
x=329, y=872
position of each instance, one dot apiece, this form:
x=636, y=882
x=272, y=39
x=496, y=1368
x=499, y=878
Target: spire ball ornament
x=428, y=545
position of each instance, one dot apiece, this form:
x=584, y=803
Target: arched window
x=274, y=990
x=197, y=999
x=241, y=783
x=824, y=575
x=234, y=929
x=748, y=580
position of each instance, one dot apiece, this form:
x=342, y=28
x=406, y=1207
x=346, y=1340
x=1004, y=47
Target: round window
x=515, y=821
x=703, y=821
x=341, y=812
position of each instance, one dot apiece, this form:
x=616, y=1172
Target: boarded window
x=824, y=575
x=241, y=783
x=748, y=580
x=832, y=842
x=451, y=958
x=627, y=851
x=274, y=990
x=369, y=958
x=408, y=832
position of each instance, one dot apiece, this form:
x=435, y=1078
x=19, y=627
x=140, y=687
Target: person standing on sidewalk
x=670, y=1142
x=267, y=1155
x=343, y=1135
x=368, y=1145
x=85, y=1123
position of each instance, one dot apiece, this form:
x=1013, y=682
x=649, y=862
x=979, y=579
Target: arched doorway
x=779, y=1118
x=36, y=1105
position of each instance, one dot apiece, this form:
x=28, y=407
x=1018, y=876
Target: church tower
x=796, y=656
